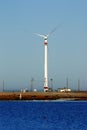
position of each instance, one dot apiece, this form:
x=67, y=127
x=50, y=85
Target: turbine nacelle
x=43, y=36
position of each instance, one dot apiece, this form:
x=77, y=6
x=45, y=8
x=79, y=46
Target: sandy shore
x=43, y=95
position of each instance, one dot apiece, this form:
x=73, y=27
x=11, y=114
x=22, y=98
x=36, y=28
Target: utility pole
x=79, y=85
x=32, y=81
x=67, y=82
x=3, y=85
x=51, y=80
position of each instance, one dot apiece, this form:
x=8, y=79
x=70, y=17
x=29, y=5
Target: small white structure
x=20, y=96
x=65, y=90
x=35, y=90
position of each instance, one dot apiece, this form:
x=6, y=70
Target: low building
x=64, y=90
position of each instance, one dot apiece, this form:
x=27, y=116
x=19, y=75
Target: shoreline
x=43, y=96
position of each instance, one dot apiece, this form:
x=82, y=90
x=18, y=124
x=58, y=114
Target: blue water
x=25, y=115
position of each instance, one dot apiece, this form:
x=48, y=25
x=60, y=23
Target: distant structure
x=51, y=81
x=45, y=59
x=3, y=85
x=67, y=82
x=78, y=85
x=64, y=90
x=32, y=82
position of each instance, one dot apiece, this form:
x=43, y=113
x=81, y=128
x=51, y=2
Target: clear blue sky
x=22, y=53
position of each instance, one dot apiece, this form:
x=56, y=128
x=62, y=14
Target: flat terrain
x=43, y=95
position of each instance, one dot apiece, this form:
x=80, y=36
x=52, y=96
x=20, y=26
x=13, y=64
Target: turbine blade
x=40, y=35
x=53, y=30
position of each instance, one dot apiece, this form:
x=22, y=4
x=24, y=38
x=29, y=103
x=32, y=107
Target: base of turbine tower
x=45, y=89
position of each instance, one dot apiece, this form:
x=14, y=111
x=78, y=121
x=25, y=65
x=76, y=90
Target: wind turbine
x=45, y=37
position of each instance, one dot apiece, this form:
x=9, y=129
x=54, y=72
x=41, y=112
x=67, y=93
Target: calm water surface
x=26, y=115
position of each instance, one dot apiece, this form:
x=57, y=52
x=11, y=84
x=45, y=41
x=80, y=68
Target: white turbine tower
x=45, y=37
